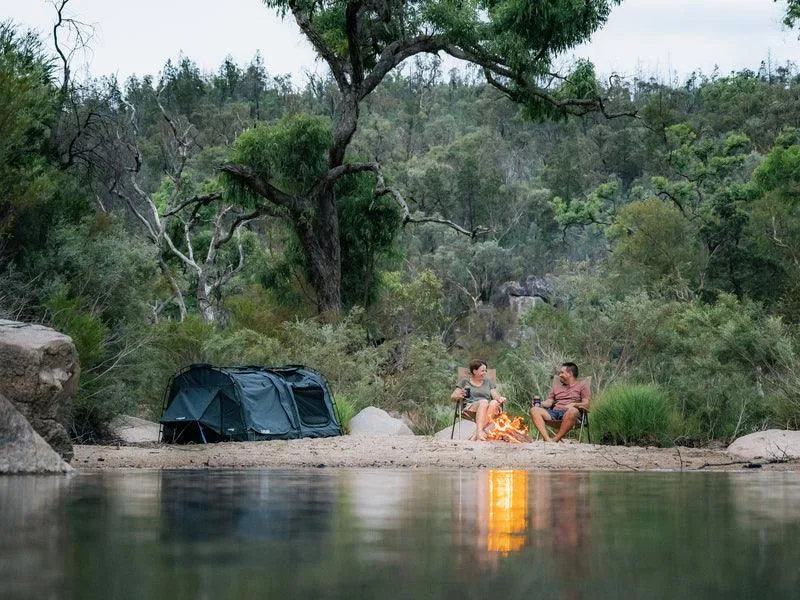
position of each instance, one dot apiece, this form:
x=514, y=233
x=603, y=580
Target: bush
x=633, y=415
x=345, y=410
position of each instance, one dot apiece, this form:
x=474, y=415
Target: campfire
x=505, y=429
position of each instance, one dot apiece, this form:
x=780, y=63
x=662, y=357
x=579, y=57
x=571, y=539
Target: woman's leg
x=481, y=419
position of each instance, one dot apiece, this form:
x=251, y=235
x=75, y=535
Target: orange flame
x=504, y=428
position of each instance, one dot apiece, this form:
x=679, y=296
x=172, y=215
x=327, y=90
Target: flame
x=506, y=429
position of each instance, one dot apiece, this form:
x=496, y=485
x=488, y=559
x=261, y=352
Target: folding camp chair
x=459, y=412
x=583, y=419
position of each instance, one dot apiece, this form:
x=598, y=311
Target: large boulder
x=463, y=430
x=39, y=375
x=133, y=430
x=374, y=421
x=773, y=444
x=22, y=450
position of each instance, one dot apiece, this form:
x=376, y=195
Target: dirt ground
x=414, y=452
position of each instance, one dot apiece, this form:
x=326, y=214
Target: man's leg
x=538, y=416
x=567, y=423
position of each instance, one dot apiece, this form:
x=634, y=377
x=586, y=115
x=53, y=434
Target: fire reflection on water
x=508, y=511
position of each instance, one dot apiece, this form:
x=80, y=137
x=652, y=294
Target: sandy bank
x=413, y=452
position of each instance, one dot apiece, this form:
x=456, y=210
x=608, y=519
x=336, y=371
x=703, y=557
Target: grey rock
x=772, y=444
x=133, y=430
x=374, y=421
x=463, y=431
x=22, y=450
x=39, y=372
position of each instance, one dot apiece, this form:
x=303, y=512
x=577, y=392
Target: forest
x=381, y=224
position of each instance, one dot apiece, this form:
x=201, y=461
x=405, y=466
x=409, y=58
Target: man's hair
x=572, y=368
x=474, y=365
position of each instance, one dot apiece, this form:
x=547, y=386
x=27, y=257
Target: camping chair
x=583, y=419
x=459, y=412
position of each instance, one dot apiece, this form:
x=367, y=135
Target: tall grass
x=633, y=415
x=345, y=410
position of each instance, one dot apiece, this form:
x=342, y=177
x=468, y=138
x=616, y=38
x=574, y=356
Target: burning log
x=505, y=429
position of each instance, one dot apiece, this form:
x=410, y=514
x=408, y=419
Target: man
x=567, y=397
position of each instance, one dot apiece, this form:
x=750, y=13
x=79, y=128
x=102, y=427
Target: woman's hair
x=476, y=364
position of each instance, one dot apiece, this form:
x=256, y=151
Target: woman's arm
x=458, y=393
x=496, y=395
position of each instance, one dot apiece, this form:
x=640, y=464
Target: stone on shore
x=22, y=450
x=463, y=431
x=374, y=421
x=39, y=375
x=133, y=430
x=773, y=444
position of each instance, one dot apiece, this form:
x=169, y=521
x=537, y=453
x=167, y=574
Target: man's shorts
x=556, y=415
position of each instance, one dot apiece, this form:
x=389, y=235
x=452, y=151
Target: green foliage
x=411, y=305
x=28, y=178
x=633, y=415
x=418, y=374
x=792, y=12
x=367, y=229
x=291, y=153
x=654, y=247
x=345, y=410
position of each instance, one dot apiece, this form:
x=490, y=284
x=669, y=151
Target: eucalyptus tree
x=513, y=42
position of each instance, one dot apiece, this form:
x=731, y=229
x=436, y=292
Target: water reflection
x=508, y=511
x=400, y=534
x=32, y=535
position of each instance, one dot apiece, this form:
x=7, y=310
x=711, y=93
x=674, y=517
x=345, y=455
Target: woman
x=481, y=397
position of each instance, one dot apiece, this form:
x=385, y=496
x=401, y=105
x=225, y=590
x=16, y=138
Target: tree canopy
x=513, y=41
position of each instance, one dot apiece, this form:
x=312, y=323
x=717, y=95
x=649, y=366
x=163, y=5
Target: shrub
x=633, y=415
x=345, y=410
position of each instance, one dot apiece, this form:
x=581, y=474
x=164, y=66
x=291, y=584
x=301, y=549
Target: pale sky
x=665, y=38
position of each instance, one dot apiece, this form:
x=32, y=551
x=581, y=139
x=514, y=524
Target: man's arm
x=550, y=400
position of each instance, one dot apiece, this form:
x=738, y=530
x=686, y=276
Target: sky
x=667, y=39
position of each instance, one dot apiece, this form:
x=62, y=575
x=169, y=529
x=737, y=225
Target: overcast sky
x=665, y=38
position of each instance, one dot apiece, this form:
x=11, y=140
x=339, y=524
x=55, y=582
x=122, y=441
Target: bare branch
x=245, y=175
x=394, y=54
x=199, y=200
x=382, y=189
x=303, y=19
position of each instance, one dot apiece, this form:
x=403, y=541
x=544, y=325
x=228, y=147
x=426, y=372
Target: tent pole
x=202, y=435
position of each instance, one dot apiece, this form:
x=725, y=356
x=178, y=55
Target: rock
x=374, y=421
x=22, y=450
x=525, y=293
x=39, y=375
x=133, y=430
x=773, y=444
x=464, y=430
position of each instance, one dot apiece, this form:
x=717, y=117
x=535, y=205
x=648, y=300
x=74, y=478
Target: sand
x=415, y=452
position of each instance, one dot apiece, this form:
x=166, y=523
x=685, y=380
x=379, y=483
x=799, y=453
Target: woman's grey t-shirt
x=482, y=392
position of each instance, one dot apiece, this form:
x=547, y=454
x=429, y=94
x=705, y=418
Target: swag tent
x=205, y=404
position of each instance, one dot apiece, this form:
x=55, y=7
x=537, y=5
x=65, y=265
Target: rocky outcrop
x=22, y=450
x=374, y=421
x=39, y=375
x=525, y=293
x=773, y=444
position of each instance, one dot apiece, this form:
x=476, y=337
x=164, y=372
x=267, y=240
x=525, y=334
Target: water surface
x=353, y=533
